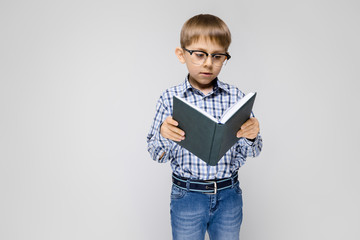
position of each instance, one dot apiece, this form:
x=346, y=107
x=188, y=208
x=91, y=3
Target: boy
x=203, y=197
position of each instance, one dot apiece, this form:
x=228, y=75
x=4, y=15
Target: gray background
x=79, y=81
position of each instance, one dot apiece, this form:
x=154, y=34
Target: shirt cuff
x=165, y=143
x=253, y=141
x=165, y=146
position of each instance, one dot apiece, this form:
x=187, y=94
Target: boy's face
x=201, y=75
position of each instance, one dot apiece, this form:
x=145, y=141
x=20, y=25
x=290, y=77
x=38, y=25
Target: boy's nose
x=208, y=61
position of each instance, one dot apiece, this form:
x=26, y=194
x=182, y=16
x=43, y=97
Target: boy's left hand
x=249, y=129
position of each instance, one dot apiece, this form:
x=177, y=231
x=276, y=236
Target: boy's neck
x=204, y=88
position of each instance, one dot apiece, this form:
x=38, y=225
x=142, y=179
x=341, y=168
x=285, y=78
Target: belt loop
x=188, y=184
x=232, y=182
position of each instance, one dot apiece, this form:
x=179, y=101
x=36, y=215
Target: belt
x=204, y=186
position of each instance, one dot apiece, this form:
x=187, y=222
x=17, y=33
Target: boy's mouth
x=206, y=73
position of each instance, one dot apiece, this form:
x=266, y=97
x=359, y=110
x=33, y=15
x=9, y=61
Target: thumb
x=239, y=133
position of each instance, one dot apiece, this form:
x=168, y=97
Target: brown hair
x=208, y=26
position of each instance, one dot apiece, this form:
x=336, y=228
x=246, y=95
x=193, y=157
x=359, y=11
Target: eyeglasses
x=198, y=57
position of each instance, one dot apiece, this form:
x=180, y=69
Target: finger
x=249, y=122
x=246, y=126
x=175, y=137
x=176, y=130
x=174, y=133
x=171, y=121
x=250, y=133
x=171, y=135
x=239, y=134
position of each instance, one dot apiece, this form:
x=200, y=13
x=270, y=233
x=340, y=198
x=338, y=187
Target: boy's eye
x=200, y=55
x=217, y=57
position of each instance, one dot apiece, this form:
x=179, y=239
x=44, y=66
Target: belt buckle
x=215, y=187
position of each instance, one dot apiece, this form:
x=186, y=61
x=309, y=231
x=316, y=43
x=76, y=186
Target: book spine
x=216, y=144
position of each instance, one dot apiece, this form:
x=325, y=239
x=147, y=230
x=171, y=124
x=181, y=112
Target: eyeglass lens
x=199, y=58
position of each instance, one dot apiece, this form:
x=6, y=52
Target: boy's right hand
x=170, y=130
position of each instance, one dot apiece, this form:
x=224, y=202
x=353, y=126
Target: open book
x=205, y=136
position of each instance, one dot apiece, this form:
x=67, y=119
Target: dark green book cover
x=206, y=137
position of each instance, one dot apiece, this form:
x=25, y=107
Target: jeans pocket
x=177, y=193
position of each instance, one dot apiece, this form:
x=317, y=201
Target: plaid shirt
x=183, y=162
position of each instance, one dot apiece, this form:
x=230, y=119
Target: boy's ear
x=180, y=54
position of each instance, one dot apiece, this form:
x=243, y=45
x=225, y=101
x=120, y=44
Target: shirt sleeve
x=247, y=148
x=158, y=146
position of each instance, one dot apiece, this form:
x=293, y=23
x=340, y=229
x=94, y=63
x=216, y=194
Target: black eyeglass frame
x=207, y=54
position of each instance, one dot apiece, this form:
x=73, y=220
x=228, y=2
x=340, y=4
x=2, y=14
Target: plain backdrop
x=79, y=81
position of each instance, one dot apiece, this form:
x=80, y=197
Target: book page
x=233, y=109
x=198, y=109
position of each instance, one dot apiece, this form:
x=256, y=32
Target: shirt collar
x=217, y=85
x=222, y=86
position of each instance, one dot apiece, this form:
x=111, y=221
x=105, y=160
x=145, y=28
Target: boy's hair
x=208, y=26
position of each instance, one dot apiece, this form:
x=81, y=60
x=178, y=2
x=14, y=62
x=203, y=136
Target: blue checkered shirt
x=183, y=162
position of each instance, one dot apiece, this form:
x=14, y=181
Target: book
x=206, y=137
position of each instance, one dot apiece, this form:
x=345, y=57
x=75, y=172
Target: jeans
x=193, y=213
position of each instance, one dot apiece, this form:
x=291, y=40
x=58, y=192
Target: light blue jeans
x=193, y=213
